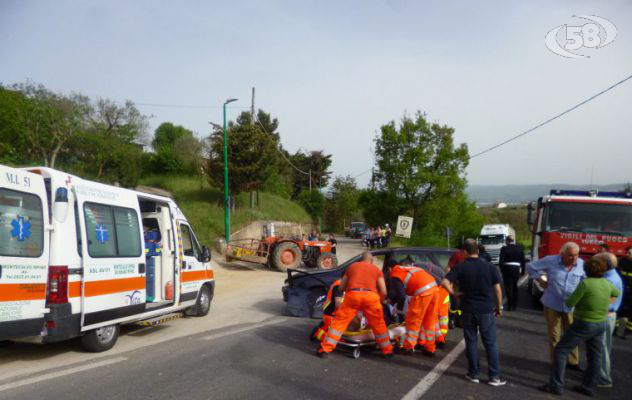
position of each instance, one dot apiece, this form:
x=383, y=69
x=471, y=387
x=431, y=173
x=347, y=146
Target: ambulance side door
x=193, y=270
x=114, y=285
x=24, y=250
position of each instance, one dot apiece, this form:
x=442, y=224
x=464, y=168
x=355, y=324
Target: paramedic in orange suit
x=422, y=308
x=332, y=303
x=365, y=290
x=444, y=315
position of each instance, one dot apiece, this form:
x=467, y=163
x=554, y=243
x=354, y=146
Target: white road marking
x=52, y=375
x=245, y=329
x=427, y=381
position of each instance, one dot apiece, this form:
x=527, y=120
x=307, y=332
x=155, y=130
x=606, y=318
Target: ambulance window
x=21, y=224
x=188, y=246
x=100, y=229
x=127, y=232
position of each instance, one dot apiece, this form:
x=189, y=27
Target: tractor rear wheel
x=326, y=260
x=286, y=255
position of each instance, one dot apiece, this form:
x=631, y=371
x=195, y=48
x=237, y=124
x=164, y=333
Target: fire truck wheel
x=286, y=255
x=101, y=339
x=326, y=260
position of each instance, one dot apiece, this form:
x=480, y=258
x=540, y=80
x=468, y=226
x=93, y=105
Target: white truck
x=493, y=238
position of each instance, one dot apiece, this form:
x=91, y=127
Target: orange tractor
x=282, y=251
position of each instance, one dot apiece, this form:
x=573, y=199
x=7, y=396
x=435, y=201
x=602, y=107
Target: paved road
x=262, y=354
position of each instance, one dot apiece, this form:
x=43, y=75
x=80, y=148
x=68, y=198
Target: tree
x=177, y=150
x=315, y=161
x=313, y=202
x=341, y=202
x=251, y=157
x=418, y=162
x=48, y=121
x=380, y=207
x=115, y=131
x=12, y=143
x=111, y=146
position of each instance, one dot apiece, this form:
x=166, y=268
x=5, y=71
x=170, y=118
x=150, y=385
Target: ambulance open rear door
x=24, y=250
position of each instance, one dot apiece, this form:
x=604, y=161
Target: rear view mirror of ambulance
x=23, y=253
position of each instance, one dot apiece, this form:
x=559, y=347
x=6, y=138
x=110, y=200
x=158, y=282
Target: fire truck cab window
x=590, y=218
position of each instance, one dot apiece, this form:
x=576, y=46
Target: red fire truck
x=588, y=218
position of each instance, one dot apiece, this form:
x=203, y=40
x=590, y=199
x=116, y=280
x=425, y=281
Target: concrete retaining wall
x=255, y=229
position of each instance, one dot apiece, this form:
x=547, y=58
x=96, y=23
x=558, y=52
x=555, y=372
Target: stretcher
x=353, y=342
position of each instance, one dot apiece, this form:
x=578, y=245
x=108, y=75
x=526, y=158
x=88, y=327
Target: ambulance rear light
x=58, y=284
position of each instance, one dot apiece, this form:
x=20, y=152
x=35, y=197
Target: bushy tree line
x=97, y=138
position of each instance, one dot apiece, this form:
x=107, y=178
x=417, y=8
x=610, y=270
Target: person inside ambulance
x=151, y=235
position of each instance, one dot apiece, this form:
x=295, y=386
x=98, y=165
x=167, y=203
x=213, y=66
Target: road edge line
x=244, y=329
x=433, y=376
x=52, y=375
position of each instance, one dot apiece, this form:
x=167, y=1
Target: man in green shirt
x=591, y=300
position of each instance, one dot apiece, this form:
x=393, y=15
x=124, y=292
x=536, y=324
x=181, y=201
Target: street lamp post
x=226, y=204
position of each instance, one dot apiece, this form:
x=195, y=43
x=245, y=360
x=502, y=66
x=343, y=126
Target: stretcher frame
x=354, y=348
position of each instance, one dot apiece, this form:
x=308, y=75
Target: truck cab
x=588, y=218
x=493, y=237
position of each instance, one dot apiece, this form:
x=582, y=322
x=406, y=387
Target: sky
x=333, y=72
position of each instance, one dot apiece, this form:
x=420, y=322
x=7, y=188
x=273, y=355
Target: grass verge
x=204, y=206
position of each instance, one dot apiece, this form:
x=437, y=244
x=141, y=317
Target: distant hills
x=520, y=194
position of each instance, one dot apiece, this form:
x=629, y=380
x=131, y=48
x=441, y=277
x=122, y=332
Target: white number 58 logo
x=591, y=35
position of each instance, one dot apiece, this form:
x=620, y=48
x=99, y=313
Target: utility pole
x=226, y=198
x=252, y=107
x=310, y=180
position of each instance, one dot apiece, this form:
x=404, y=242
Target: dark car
x=305, y=291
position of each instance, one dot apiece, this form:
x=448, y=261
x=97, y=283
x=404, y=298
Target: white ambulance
x=80, y=258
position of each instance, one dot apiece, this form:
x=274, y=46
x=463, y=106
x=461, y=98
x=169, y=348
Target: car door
x=24, y=250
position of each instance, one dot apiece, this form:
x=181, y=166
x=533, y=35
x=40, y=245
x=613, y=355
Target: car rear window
x=443, y=259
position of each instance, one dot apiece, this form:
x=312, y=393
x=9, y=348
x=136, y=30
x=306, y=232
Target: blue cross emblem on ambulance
x=21, y=228
x=102, y=233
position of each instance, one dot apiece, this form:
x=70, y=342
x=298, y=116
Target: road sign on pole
x=404, y=226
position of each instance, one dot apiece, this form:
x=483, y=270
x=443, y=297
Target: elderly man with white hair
x=559, y=276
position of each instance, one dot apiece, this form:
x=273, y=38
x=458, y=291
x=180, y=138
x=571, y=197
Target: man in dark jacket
x=512, y=266
x=625, y=312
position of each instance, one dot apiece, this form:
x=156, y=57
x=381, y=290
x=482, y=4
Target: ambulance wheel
x=355, y=353
x=101, y=339
x=326, y=260
x=203, y=303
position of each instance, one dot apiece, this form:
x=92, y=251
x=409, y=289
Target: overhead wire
x=278, y=149
x=184, y=106
x=551, y=119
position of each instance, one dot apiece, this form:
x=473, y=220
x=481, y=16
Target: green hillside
x=203, y=206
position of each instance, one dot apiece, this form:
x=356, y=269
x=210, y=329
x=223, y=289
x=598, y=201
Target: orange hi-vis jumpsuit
x=360, y=295
x=422, y=307
x=444, y=314
x=330, y=304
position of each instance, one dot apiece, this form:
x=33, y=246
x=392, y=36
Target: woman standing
x=591, y=300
